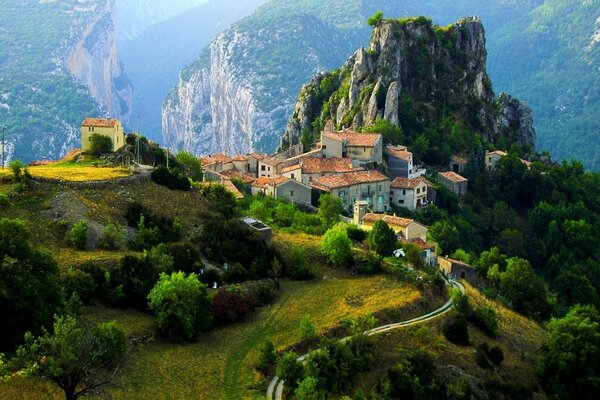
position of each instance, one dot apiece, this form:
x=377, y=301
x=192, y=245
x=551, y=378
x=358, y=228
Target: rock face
x=443, y=69
x=93, y=58
x=239, y=95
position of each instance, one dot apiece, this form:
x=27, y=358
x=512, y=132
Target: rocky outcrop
x=441, y=69
x=92, y=57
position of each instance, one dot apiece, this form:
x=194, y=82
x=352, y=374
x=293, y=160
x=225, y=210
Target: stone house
x=370, y=186
x=457, y=164
x=363, y=148
x=282, y=188
x=492, y=158
x=400, y=163
x=457, y=269
x=108, y=127
x=269, y=167
x=410, y=193
x=309, y=169
x=405, y=228
x=217, y=163
x=455, y=182
x=252, y=162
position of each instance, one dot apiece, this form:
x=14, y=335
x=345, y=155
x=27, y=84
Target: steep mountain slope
x=439, y=71
x=169, y=47
x=240, y=93
x=543, y=51
x=58, y=64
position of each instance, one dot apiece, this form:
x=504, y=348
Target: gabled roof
x=239, y=158
x=406, y=183
x=100, y=122
x=458, y=159
x=497, y=152
x=215, y=158
x=453, y=176
x=257, y=156
x=264, y=181
x=389, y=219
x=327, y=183
x=291, y=168
x=353, y=138
x=326, y=165
x=232, y=173
x=273, y=162
x=399, y=152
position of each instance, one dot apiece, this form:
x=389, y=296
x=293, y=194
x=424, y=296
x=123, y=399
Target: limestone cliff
x=92, y=57
x=441, y=71
x=240, y=93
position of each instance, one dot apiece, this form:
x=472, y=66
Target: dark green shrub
x=100, y=144
x=78, y=235
x=75, y=280
x=112, y=340
x=230, y=305
x=456, y=331
x=482, y=360
x=186, y=257
x=267, y=357
x=113, y=237
x=496, y=355
x=235, y=273
x=356, y=233
x=211, y=276
x=170, y=178
x=263, y=292
x=4, y=200
x=486, y=319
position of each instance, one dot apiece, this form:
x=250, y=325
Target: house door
x=463, y=274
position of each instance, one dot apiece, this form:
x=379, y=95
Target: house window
x=392, y=192
x=364, y=149
x=424, y=189
x=404, y=192
x=262, y=168
x=418, y=190
x=310, y=178
x=269, y=168
x=324, y=147
x=368, y=189
x=342, y=193
x=380, y=200
x=379, y=188
x=400, y=201
x=293, y=176
x=291, y=193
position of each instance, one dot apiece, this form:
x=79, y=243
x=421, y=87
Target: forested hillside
x=40, y=102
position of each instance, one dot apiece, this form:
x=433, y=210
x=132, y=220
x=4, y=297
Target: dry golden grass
x=518, y=337
x=73, y=172
x=219, y=365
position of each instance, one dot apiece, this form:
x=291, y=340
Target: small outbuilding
x=457, y=269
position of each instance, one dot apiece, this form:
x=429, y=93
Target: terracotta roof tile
x=239, y=158
x=399, y=152
x=257, y=156
x=406, y=183
x=291, y=168
x=420, y=243
x=100, y=122
x=330, y=182
x=215, y=158
x=273, y=162
x=232, y=173
x=353, y=138
x=458, y=159
x=264, y=181
x=453, y=176
x=326, y=165
x=389, y=219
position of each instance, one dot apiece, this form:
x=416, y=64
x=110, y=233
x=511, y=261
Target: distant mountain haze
x=155, y=57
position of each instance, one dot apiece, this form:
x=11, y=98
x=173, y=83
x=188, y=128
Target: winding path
x=275, y=389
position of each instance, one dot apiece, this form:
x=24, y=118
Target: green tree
x=446, y=235
x=392, y=134
x=267, y=357
x=570, y=363
x=78, y=235
x=382, y=239
x=290, y=370
x=74, y=357
x=181, y=305
x=20, y=171
x=100, y=144
x=30, y=293
x=375, y=19
x=524, y=290
x=308, y=389
x=113, y=237
x=336, y=245
x=308, y=330
x=330, y=208
x=190, y=165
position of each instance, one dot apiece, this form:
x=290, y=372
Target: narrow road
x=275, y=389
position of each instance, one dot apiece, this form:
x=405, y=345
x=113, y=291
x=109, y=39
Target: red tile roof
x=389, y=219
x=264, y=181
x=327, y=183
x=100, y=122
x=406, y=183
x=273, y=162
x=291, y=168
x=326, y=165
x=239, y=158
x=453, y=176
x=420, y=243
x=399, y=152
x=215, y=158
x=232, y=173
x=257, y=156
x=353, y=138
